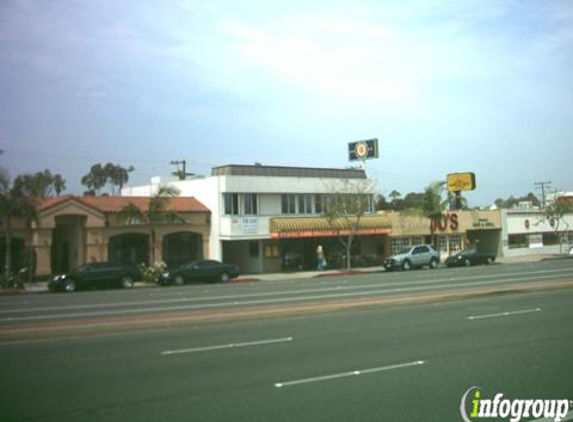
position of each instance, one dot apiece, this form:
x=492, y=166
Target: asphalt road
x=400, y=363
x=150, y=305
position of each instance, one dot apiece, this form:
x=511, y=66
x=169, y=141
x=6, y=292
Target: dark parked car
x=470, y=257
x=198, y=271
x=96, y=275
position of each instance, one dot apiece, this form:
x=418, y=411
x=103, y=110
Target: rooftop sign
x=458, y=182
x=363, y=150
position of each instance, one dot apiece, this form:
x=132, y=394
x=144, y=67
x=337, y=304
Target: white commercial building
x=530, y=231
x=266, y=218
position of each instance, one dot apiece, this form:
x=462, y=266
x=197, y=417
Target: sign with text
x=363, y=150
x=458, y=182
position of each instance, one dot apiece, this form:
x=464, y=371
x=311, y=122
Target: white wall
x=514, y=222
x=209, y=190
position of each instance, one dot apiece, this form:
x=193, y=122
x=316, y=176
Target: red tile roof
x=110, y=204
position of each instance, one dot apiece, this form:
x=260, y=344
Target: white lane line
x=348, y=374
x=284, y=293
x=503, y=314
x=227, y=346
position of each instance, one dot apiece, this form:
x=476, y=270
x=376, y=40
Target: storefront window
x=416, y=240
x=518, y=241
x=443, y=243
x=399, y=243
x=455, y=243
x=550, y=239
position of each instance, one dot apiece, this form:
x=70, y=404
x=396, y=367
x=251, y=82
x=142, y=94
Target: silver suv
x=412, y=257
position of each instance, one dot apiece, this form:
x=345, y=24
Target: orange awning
x=297, y=227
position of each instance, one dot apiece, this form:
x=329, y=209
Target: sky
x=445, y=86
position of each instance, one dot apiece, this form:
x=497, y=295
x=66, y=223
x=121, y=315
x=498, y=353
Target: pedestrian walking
x=321, y=261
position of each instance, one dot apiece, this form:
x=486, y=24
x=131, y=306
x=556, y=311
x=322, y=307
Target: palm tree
x=14, y=203
x=155, y=214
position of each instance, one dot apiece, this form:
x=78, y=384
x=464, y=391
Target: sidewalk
x=42, y=286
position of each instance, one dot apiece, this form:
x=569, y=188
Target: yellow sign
x=458, y=182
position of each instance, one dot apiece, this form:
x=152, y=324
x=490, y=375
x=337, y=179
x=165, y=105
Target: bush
x=150, y=274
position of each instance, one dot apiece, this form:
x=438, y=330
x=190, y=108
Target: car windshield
x=404, y=251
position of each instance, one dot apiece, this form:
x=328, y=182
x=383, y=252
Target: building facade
x=531, y=232
x=268, y=219
x=71, y=231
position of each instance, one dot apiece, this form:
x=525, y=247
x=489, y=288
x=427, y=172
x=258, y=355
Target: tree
x=40, y=184
x=14, y=203
x=396, y=202
x=556, y=211
x=350, y=201
x=100, y=176
x=512, y=202
x=155, y=214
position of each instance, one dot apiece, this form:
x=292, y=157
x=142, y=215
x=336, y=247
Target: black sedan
x=207, y=270
x=470, y=257
x=96, y=275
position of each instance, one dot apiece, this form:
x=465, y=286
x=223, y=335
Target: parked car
x=96, y=275
x=415, y=256
x=197, y=271
x=470, y=257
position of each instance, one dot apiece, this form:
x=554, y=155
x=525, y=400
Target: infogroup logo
x=514, y=409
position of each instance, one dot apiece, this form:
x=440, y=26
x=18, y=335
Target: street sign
x=458, y=182
x=363, y=150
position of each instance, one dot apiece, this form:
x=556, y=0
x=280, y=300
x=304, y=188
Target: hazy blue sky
x=446, y=86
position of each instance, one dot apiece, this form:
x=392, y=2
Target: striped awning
x=296, y=227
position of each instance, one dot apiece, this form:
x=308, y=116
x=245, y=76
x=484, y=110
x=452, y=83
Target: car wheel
x=70, y=286
x=467, y=262
x=126, y=282
x=224, y=278
x=406, y=265
x=489, y=260
x=434, y=264
x=178, y=280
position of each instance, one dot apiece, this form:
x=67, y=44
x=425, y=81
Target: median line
x=227, y=346
x=503, y=314
x=348, y=374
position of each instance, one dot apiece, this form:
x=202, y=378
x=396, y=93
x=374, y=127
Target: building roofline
x=287, y=171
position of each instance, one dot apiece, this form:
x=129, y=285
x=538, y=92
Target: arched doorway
x=130, y=248
x=17, y=254
x=182, y=247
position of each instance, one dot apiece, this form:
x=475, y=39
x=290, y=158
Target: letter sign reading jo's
x=458, y=182
x=449, y=220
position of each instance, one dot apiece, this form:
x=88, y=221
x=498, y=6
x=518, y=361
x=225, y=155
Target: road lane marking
x=260, y=302
x=348, y=374
x=503, y=314
x=227, y=346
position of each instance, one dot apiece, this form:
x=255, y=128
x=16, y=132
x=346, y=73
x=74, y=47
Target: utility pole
x=182, y=174
x=542, y=186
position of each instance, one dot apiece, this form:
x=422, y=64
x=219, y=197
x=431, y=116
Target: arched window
x=182, y=247
x=132, y=248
